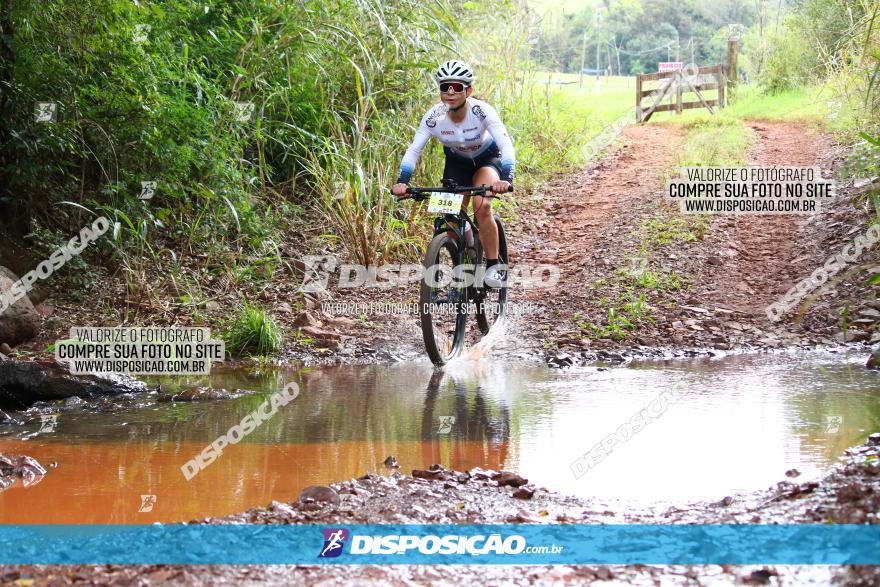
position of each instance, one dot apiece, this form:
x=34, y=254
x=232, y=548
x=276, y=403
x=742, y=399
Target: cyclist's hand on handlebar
x=399, y=189
x=501, y=186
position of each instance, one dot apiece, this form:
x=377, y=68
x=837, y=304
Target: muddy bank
x=848, y=494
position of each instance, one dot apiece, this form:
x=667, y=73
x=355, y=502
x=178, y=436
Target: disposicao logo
x=334, y=541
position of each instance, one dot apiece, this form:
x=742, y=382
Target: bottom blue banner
x=440, y=544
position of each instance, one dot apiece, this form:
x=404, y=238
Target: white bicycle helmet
x=454, y=71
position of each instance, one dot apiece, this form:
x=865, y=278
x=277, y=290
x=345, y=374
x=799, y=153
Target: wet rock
x=792, y=473
x=30, y=381
x=342, y=322
x=429, y=475
x=20, y=322
x=391, y=462
x=200, y=394
x=611, y=357
x=318, y=493
x=320, y=333
x=281, y=508
x=561, y=360
x=307, y=319
x=20, y=466
x=874, y=360
x=511, y=479
x=851, y=336
x=479, y=474
x=524, y=493
x=760, y=577
x=874, y=439
x=850, y=493
x=522, y=517
x=5, y=349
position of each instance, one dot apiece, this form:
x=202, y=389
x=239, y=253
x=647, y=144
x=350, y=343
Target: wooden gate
x=674, y=84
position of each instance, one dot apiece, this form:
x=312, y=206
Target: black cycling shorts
x=461, y=170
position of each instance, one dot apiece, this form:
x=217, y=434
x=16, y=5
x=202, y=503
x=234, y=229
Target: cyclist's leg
x=486, y=175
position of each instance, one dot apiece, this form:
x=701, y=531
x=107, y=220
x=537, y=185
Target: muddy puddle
x=738, y=424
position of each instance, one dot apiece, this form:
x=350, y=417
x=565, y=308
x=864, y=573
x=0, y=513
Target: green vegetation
x=654, y=280
x=622, y=317
x=668, y=227
x=719, y=140
x=253, y=332
x=257, y=120
x=808, y=103
x=814, y=60
x=633, y=35
x=581, y=113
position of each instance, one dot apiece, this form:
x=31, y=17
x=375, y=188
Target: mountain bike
x=452, y=280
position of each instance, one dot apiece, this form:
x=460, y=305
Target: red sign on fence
x=670, y=66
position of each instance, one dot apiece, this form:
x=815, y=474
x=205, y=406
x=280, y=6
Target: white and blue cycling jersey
x=480, y=133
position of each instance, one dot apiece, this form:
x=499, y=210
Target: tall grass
x=253, y=332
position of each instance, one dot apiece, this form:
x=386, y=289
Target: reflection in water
x=741, y=422
x=469, y=424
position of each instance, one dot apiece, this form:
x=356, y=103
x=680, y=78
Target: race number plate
x=445, y=203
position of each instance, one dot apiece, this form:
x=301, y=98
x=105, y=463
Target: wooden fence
x=674, y=85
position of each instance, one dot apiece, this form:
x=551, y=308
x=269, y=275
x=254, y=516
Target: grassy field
x=584, y=111
x=723, y=139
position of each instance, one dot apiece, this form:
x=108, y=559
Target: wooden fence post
x=732, y=49
x=678, y=91
x=638, y=98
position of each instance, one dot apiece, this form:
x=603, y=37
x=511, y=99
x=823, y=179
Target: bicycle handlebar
x=414, y=193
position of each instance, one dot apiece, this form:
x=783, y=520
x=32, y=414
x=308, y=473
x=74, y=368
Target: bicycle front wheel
x=442, y=305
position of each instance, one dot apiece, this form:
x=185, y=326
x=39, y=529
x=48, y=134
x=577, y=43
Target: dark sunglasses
x=456, y=87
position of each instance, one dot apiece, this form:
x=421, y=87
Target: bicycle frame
x=450, y=230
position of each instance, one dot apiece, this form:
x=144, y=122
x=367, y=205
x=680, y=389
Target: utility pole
x=598, y=20
x=583, y=53
x=617, y=50
x=692, y=51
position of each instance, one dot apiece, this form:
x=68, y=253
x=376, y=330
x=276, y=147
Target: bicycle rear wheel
x=490, y=309
x=442, y=305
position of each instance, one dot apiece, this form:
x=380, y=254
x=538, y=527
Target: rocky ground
x=848, y=494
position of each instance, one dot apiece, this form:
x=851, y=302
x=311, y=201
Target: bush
x=789, y=64
x=253, y=332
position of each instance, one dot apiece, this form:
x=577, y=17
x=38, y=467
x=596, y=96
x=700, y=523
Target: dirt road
x=712, y=280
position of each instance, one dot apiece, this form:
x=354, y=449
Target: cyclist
x=478, y=152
